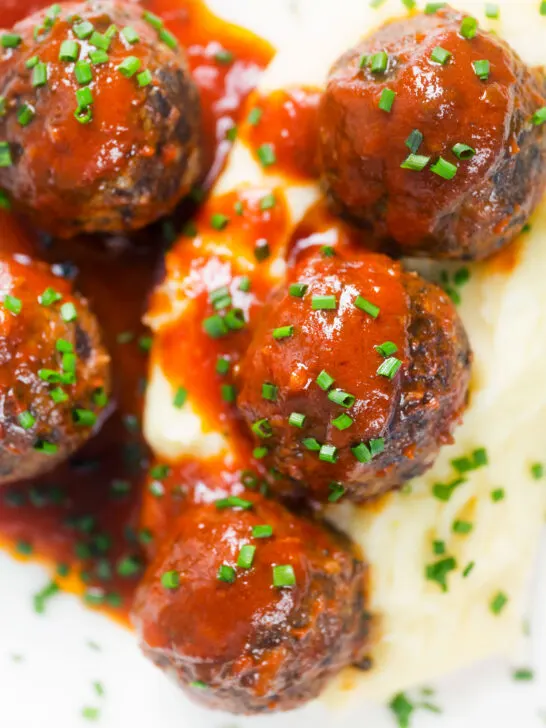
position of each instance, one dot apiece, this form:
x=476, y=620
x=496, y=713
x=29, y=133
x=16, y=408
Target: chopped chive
x=219, y=221
x=26, y=420
x=130, y=35
x=266, y=155
x=246, y=556
x=337, y=491
x=284, y=576
x=268, y=202
x=39, y=75
x=323, y=303
x=153, y=20
x=261, y=250
x=263, y=531
x=111, y=32
x=129, y=66
x=439, y=571
x=379, y=62
x=13, y=305
x=262, y=428
x=25, y=114
x=338, y=396
x=462, y=527
x=324, y=380
x=482, y=69
x=24, y=548
x=414, y=141
x=83, y=30
x=11, y=40
x=5, y=155
x=233, y=501
x=362, y=453
x=68, y=312
x=440, y=55
x=229, y=393
x=542, y=8
x=64, y=346
x=523, y=674
x=296, y=419
x=444, y=169
x=48, y=448
x=254, y=116
x=409, y=4
x=439, y=548
x=386, y=99
x=222, y=365
x=327, y=251
x=389, y=367
x=342, y=422
x=180, y=397
x=235, y=319
x=463, y=151
x=69, y=51
x=84, y=417
x=328, y=453
x=226, y=574
x=224, y=57
x=444, y=491
x=102, y=42
x=469, y=27
x=310, y=443
x=170, y=579
x=298, y=290
x=260, y=452
x=539, y=117
x=415, y=162
x=215, y=326
x=432, y=8
x=83, y=73
x=245, y=284
x=497, y=495
x=386, y=349
x=537, y=471
x=98, y=57
x=144, y=79
x=377, y=446
x=270, y=391
x=366, y=306
x=498, y=603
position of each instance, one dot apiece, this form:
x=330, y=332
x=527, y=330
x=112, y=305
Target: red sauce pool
x=83, y=519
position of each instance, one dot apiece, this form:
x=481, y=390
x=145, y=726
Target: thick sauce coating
x=54, y=373
x=336, y=366
x=108, y=96
x=420, y=87
x=252, y=607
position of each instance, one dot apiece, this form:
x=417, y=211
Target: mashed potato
x=422, y=629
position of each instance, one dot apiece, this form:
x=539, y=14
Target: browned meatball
x=252, y=607
x=356, y=375
x=102, y=133
x=429, y=136
x=54, y=371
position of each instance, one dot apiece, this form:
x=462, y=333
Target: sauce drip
x=83, y=517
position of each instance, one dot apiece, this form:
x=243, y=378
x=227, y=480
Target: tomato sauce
x=83, y=518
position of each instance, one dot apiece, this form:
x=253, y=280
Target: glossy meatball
x=54, y=371
x=103, y=129
x=252, y=608
x=356, y=375
x=464, y=108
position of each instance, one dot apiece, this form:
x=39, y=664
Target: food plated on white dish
x=336, y=490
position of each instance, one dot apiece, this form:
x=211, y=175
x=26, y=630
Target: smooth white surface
x=53, y=681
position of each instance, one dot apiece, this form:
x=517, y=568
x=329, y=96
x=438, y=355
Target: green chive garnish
x=389, y=367
x=440, y=55
x=264, y=531
x=323, y=303
x=226, y=574
x=386, y=349
x=482, y=69
x=364, y=305
x=298, y=290
x=444, y=169
x=296, y=419
x=463, y=151
x=69, y=51
x=338, y=396
x=129, y=66
x=324, y=380
x=469, y=27
x=386, y=99
x=379, y=62
x=246, y=556
x=284, y=576
x=266, y=155
x=415, y=162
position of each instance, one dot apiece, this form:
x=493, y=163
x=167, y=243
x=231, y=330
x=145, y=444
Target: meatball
x=54, y=371
x=428, y=137
x=101, y=123
x=355, y=377
x=253, y=608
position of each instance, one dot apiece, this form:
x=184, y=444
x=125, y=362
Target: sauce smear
x=82, y=519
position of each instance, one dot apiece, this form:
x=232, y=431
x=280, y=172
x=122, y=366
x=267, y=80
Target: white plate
x=49, y=663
